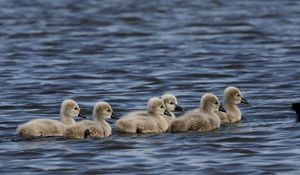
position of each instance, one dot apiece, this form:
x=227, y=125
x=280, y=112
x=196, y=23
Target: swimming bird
x=48, y=127
x=232, y=97
x=203, y=118
x=296, y=107
x=170, y=101
x=99, y=128
x=151, y=121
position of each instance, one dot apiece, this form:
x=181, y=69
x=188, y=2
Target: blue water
x=125, y=52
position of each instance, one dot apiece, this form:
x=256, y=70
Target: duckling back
x=41, y=128
x=48, y=127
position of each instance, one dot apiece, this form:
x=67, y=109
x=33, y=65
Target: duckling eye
x=76, y=108
x=238, y=95
x=217, y=103
x=161, y=106
x=108, y=110
x=171, y=103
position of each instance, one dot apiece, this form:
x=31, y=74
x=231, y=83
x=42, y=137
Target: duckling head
x=156, y=106
x=70, y=108
x=210, y=103
x=171, y=103
x=103, y=110
x=233, y=95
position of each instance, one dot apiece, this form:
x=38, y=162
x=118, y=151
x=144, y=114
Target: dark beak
x=115, y=115
x=221, y=108
x=178, y=108
x=80, y=115
x=167, y=113
x=244, y=101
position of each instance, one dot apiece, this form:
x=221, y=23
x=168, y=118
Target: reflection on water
x=125, y=52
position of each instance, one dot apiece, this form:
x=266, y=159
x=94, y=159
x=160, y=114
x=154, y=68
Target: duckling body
x=202, y=119
x=48, y=127
x=150, y=121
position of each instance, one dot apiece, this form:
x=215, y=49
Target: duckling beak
x=221, y=108
x=178, y=108
x=244, y=101
x=167, y=113
x=115, y=115
x=80, y=115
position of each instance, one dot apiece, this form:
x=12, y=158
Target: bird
x=48, y=127
x=203, y=118
x=151, y=121
x=232, y=97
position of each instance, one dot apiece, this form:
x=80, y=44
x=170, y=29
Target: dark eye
x=108, y=110
x=161, y=106
x=217, y=103
x=76, y=108
x=171, y=103
x=238, y=95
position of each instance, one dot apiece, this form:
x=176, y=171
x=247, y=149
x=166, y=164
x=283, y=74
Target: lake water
x=125, y=52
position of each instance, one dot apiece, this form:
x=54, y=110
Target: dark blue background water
x=125, y=52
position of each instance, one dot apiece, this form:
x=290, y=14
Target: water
x=125, y=52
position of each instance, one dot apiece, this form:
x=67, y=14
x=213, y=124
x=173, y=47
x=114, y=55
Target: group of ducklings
x=158, y=117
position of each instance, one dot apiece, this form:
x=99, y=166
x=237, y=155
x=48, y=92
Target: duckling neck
x=103, y=123
x=231, y=107
x=100, y=120
x=162, y=122
x=206, y=110
x=68, y=120
x=211, y=113
x=233, y=112
x=154, y=114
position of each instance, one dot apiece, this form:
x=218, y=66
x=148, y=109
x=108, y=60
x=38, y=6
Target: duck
x=150, y=121
x=48, y=127
x=232, y=97
x=203, y=118
x=97, y=128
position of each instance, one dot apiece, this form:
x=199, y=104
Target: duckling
x=48, y=127
x=151, y=121
x=203, y=118
x=99, y=128
x=232, y=97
